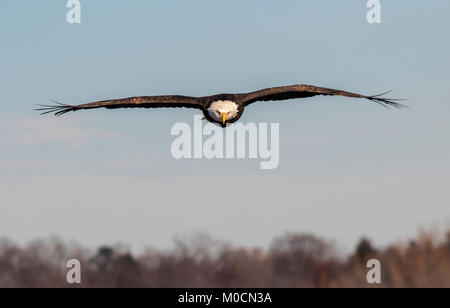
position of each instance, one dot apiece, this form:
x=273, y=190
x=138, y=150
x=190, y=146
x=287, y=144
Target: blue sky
x=347, y=168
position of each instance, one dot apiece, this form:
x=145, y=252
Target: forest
x=291, y=261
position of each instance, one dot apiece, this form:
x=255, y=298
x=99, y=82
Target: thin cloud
x=49, y=130
x=29, y=165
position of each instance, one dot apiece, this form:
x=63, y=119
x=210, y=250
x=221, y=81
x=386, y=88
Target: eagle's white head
x=222, y=111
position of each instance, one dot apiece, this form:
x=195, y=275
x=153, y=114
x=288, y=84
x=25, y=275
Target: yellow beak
x=224, y=117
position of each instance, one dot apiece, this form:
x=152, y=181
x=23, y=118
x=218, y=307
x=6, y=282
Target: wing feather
x=303, y=91
x=167, y=101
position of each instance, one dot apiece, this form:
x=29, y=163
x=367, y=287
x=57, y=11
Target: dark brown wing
x=302, y=91
x=167, y=101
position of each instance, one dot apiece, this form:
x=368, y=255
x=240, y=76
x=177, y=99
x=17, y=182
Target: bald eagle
x=221, y=109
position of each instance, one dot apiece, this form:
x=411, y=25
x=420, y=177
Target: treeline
x=293, y=260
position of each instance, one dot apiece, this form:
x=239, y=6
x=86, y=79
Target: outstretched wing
x=167, y=101
x=302, y=91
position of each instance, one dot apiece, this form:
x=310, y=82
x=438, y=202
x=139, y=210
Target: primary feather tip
x=387, y=102
x=58, y=108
